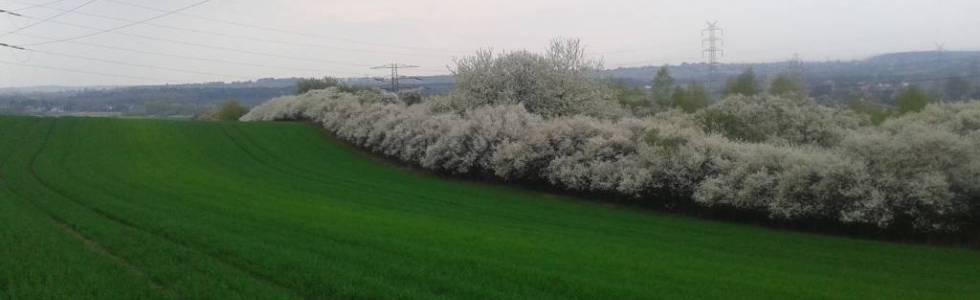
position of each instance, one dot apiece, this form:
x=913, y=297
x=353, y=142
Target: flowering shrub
x=924, y=172
x=562, y=82
x=790, y=159
x=789, y=183
x=777, y=120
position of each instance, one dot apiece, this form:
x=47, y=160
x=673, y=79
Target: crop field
x=140, y=209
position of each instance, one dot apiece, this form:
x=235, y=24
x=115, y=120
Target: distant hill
x=879, y=78
x=827, y=79
x=888, y=67
x=159, y=101
x=50, y=89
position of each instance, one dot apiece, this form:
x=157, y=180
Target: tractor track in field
x=289, y=171
x=260, y=278
x=255, y=157
x=2, y=178
x=4, y=284
x=102, y=250
x=90, y=244
x=3, y=163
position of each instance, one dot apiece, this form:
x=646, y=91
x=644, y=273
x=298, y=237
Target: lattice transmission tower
x=712, y=41
x=395, y=76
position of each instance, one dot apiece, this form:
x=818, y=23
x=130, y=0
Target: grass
x=139, y=209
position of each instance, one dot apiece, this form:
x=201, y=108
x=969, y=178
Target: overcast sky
x=344, y=38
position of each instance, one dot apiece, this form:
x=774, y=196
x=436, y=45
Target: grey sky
x=348, y=36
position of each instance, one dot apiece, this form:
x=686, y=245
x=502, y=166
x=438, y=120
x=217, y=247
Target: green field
x=127, y=209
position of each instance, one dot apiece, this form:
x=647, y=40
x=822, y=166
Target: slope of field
x=124, y=209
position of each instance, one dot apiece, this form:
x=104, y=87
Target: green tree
x=231, y=110
x=957, y=88
x=308, y=84
x=913, y=99
x=785, y=86
x=561, y=82
x=663, y=87
x=411, y=96
x=695, y=98
x=745, y=84
x=628, y=96
x=876, y=112
x=679, y=97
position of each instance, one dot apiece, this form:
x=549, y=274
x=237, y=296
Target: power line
x=147, y=37
x=243, y=37
x=38, y=5
x=83, y=72
x=11, y=46
x=42, y=21
x=319, y=36
x=645, y=63
x=110, y=61
x=224, y=61
x=7, y=12
x=122, y=63
x=125, y=63
x=148, y=66
x=167, y=13
x=628, y=50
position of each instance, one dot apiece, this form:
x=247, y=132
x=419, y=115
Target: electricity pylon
x=712, y=42
x=395, y=77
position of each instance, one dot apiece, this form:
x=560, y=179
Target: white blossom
x=790, y=159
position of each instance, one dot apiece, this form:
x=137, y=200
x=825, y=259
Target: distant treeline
x=880, y=80
x=140, y=101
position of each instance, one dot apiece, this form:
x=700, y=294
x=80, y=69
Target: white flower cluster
x=791, y=159
x=778, y=120
x=562, y=82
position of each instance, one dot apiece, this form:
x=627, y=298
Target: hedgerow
x=524, y=117
x=922, y=167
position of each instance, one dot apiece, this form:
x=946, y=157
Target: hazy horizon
x=345, y=38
